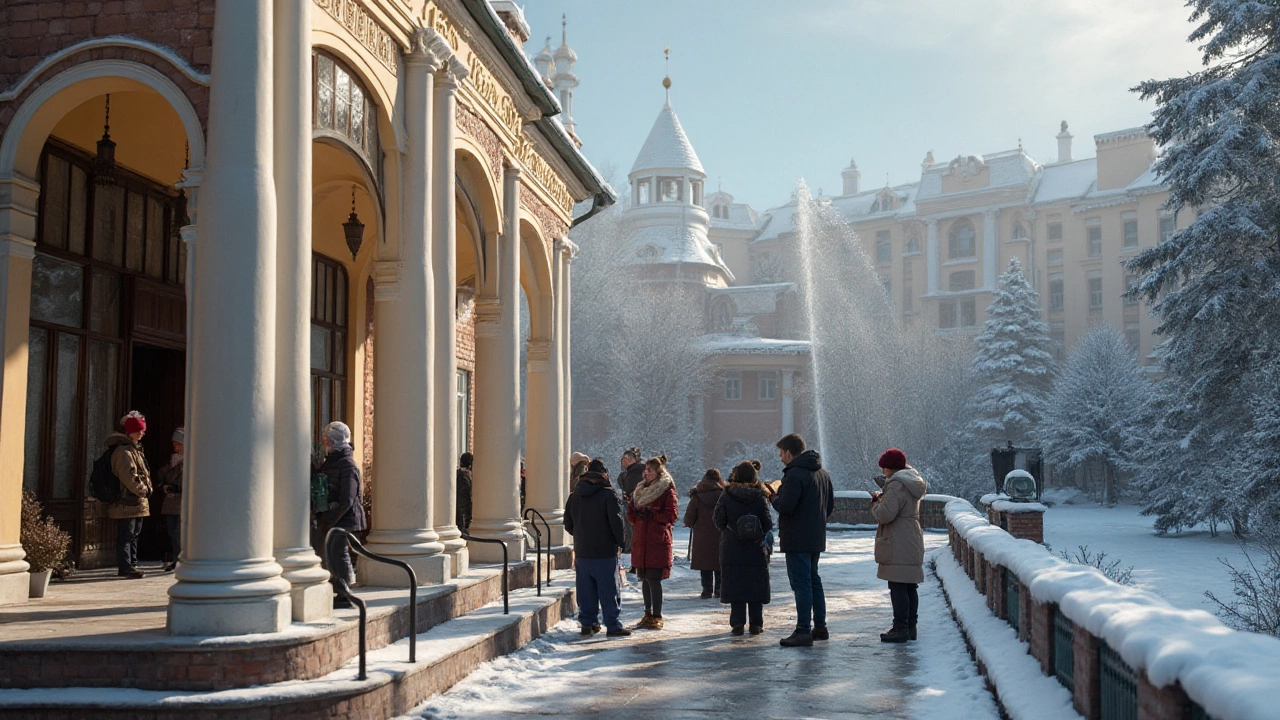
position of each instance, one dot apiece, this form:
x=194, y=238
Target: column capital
x=487, y=311
x=567, y=247
x=990, y=213
x=931, y=223
x=538, y=354
x=13, y=246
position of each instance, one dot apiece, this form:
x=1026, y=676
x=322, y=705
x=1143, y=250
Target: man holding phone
x=804, y=501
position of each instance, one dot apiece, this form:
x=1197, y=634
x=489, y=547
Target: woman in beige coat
x=899, y=541
x=129, y=465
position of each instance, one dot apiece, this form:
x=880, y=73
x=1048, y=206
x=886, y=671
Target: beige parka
x=899, y=537
x=130, y=467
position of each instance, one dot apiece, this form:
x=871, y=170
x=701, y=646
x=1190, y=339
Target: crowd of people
x=731, y=538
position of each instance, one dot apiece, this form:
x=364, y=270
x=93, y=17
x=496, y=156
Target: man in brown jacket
x=130, y=468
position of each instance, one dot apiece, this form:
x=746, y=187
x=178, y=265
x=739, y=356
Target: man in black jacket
x=346, y=506
x=594, y=519
x=804, y=502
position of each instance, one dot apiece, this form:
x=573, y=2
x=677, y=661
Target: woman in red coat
x=652, y=511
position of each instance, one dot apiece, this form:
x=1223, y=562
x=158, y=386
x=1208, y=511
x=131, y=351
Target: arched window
x=344, y=109
x=913, y=244
x=960, y=241
x=722, y=314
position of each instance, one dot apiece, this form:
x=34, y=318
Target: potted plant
x=44, y=542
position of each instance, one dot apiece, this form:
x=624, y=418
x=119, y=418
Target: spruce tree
x=1215, y=284
x=1013, y=364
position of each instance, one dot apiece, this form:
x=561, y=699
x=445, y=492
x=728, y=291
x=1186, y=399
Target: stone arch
x=535, y=276
x=480, y=209
x=354, y=58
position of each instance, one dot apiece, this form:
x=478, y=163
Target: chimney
x=513, y=18
x=1064, y=144
x=852, y=178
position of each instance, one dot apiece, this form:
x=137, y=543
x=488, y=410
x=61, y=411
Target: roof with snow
x=1066, y=181
x=667, y=147
x=674, y=245
x=735, y=344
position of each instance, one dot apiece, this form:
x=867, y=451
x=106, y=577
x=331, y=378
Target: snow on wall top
x=733, y=344
x=667, y=147
x=1231, y=674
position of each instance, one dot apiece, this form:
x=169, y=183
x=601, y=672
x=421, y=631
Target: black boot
x=911, y=632
x=799, y=638
x=898, y=634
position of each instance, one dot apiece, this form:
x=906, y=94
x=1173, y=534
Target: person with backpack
x=171, y=508
x=652, y=511
x=743, y=518
x=804, y=501
x=129, y=506
x=899, y=541
x=346, y=505
x=594, y=519
x=704, y=536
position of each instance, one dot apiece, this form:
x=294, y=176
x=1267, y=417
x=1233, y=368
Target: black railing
x=1117, y=686
x=336, y=535
x=1064, y=654
x=506, y=593
x=535, y=538
x=546, y=525
x=1012, y=608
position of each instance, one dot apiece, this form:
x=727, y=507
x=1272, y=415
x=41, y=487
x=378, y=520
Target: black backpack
x=748, y=528
x=103, y=483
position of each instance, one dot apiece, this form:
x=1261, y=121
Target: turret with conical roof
x=544, y=62
x=563, y=80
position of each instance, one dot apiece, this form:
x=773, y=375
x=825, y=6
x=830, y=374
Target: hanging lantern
x=353, y=229
x=104, y=165
x=180, y=217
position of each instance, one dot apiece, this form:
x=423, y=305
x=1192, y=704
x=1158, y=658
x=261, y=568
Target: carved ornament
x=366, y=30
x=552, y=226
x=471, y=124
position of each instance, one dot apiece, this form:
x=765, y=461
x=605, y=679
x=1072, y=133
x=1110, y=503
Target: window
x=1093, y=231
x=695, y=190
x=670, y=189
x=328, y=342
x=1133, y=335
x=960, y=241
x=908, y=295
x=1130, y=282
x=1167, y=226
x=343, y=108
x=1019, y=230
x=1058, y=337
x=720, y=211
x=1095, y=294
x=768, y=385
x=884, y=248
x=462, y=395
x=1055, y=258
x=968, y=312
x=643, y=190
x=733, y=386
x=1129, y=229
x=913, y=244
x=1054, y=231
x=961, y=281
x=946, y=315
x=1055, y=291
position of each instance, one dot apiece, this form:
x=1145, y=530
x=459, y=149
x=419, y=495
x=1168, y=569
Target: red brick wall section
x=995, y=590
x=1028, y=526
x=368, y=391
x=465, y=336
x=1169, y=703
x=1086, y=698
x=31, y=30
x=1038, y=621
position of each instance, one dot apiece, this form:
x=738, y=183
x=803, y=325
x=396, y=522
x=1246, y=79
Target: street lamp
x=353, y=229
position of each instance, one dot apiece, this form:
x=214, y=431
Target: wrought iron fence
x=1012, y=596
x=1064, y=654
x=1117, y=686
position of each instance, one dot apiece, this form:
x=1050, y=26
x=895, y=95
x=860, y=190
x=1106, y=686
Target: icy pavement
x=694, y=668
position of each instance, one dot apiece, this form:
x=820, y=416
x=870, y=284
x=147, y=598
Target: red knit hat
x=133, y=422
x=893, y=459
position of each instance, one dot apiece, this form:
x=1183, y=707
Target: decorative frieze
x=553, y=228
x=543, y=174
x=471, y=124
x=365, y=29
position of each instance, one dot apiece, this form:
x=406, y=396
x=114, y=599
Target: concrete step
x=447, y=652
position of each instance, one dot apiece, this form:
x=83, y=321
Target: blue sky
x=770, y=91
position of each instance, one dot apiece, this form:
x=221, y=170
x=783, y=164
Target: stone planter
x=40, y=583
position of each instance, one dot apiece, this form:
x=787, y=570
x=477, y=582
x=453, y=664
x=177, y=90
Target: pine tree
x=1214, y=283
x=1012, y=366
x=1096, y=408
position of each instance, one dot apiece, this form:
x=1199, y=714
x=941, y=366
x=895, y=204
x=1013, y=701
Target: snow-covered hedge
x=1231, y=674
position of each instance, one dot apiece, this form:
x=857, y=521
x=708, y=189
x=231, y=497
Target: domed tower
x=667, y=222
x=563, y=81
x=545, y=64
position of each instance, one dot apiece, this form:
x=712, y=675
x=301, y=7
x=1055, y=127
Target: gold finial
x=666, y=81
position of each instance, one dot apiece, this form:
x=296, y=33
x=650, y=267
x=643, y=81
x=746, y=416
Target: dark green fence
x=1117, y=686
x=1064, y=654
x=1012, y=608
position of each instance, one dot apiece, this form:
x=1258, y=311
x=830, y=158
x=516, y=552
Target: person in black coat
x=631, y=476
x=462, y=508
x=744, y=564
x=346, y=506
x=593, y=517
x=804, y=502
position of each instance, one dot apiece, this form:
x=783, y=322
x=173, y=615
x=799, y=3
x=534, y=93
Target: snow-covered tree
x=1012, y=366
x=1215, y=284
x=1095, y=410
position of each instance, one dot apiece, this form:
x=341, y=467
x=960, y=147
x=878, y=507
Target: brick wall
x=1169, y=703
x=1037, y=622
x=1085, y=671
x=465, y=336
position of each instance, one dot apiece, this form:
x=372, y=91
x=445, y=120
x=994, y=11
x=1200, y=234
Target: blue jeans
x=597, y=585
x=127, y=531
x=811, y=603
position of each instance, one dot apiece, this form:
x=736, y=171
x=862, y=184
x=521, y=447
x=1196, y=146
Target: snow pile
x=1229, y=673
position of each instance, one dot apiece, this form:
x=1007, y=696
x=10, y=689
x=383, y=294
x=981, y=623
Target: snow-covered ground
x=694, y=668
x=1179, y=568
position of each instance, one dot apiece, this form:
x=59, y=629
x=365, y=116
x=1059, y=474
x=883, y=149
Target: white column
x=496, y=482
x=559, y=366
x=990, y=250
x=444, y=263
x=404, y=384
x=312, y=597
x=16, y=254
x=788, y=401
x=566, y=372
x=932, y=258
x=228, y=582
x=543, y=441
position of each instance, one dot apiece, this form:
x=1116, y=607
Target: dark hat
x=597, y=466
x=893, y=459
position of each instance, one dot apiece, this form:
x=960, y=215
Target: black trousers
x=738, y=614
x=906, y=603
x=651, y=588
x=127, y=531
x=711, y=582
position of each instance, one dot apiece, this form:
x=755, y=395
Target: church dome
x=667, y=147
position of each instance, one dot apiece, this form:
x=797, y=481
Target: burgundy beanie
x=133, y=422
x=893, y=459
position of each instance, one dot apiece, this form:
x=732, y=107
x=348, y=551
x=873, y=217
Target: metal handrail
x=345, y=591
x=506, y=593
x=546, y=525
x=536, y=537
